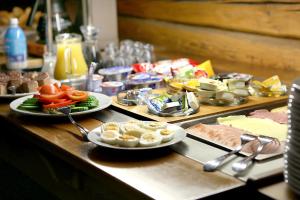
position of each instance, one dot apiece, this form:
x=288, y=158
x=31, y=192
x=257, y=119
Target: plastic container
x=144, y=80
x=111, y=88
x=118, y=73
x=15, y=46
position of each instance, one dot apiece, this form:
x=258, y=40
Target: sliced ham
x=280, y=117
x=229, y=137
x=221, y=134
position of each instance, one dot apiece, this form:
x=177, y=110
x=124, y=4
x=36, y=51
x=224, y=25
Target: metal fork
x=214, y=164
x=243, y=164
x=84, y=131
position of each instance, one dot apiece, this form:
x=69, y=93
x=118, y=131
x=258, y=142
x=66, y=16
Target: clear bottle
x=90, y=45
x=15, y=46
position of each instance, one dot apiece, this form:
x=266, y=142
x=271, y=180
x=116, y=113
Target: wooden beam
x=258, y=16
x=254, y=50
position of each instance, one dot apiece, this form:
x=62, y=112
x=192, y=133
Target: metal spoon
x=84, y=131
x=214, y=164
x=243, y=164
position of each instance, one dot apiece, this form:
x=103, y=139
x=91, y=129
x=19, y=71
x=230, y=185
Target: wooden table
x=161, y=174
x=278, y=191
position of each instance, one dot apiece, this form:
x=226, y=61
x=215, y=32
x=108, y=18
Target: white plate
x=17, y=95
x=180, y=134
x=104, y=102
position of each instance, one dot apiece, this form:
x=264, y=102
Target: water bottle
x=15, y=46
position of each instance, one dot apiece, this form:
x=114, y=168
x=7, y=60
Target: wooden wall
x=261, y=37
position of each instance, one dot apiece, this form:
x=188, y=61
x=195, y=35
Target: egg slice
x=131, y=127
x=127, y=140
x=134, y=132
x=150, y=139
x=111, y=126
x=166, y=134
x=109, y=137
x=154, y=125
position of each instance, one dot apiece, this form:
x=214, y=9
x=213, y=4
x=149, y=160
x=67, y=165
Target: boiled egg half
x=167, y=134
x=109, y=137
x=150, y=139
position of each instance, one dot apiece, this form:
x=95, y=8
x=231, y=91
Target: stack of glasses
x=292, y=150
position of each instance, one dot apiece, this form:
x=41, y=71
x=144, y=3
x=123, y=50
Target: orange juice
x=70, y=60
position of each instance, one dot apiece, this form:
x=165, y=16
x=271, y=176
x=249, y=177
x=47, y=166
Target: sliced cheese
x=256, y=126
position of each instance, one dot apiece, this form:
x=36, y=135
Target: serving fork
x=214, y=164
x=67, y=110
x=243, y=164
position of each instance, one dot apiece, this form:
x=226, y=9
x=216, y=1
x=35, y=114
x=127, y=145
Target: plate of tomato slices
x=51, y=97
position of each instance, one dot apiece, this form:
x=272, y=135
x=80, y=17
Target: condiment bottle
x=15, y=46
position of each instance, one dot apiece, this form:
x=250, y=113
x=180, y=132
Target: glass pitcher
x=70, y=62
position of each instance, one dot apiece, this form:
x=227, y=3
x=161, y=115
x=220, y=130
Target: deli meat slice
x=221, y=134
x=229, y=137
x=280, y=117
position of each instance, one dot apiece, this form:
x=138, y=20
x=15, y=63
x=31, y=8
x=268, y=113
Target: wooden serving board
x=205, y=110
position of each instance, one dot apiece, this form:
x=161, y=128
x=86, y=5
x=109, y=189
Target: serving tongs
x=243, y=164
x=214, y=164
x=84, y=131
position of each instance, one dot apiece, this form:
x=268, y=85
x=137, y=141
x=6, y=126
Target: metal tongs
x=214, y=164
x=243, y=164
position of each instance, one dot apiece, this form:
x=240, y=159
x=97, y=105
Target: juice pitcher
x=70, y=62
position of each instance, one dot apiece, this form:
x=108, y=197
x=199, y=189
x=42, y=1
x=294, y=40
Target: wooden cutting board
x=205, y=110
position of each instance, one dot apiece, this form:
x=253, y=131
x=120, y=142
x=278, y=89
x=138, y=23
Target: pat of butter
x=192, y=100
x=225, y=95
x=235, y=84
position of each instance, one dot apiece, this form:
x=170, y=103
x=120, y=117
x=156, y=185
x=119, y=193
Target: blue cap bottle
x=15, y=46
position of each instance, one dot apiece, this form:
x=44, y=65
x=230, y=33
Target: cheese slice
x=280, y=109
x=256, y=126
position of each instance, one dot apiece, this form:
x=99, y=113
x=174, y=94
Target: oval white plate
x=180, y=134
x=104, y=102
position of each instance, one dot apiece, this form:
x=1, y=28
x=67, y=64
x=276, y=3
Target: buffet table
x=161, y=174
x=52, y=152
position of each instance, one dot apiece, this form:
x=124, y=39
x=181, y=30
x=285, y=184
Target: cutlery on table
x=243, y=164
x=214, y=164
x=67, y=110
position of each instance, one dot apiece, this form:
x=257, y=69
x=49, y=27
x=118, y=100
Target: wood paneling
x=278, y=18
x=256, y=50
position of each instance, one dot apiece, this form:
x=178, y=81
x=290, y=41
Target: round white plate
x=180, y=134
x=17, y=95
x=104, y=102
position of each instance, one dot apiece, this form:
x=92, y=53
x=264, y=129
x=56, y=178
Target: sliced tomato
x=66, y=87
x=57, y=86
x=48, y=89
x=77, y=95
x=59, y=95
x=60, y=104
x=47, y=101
